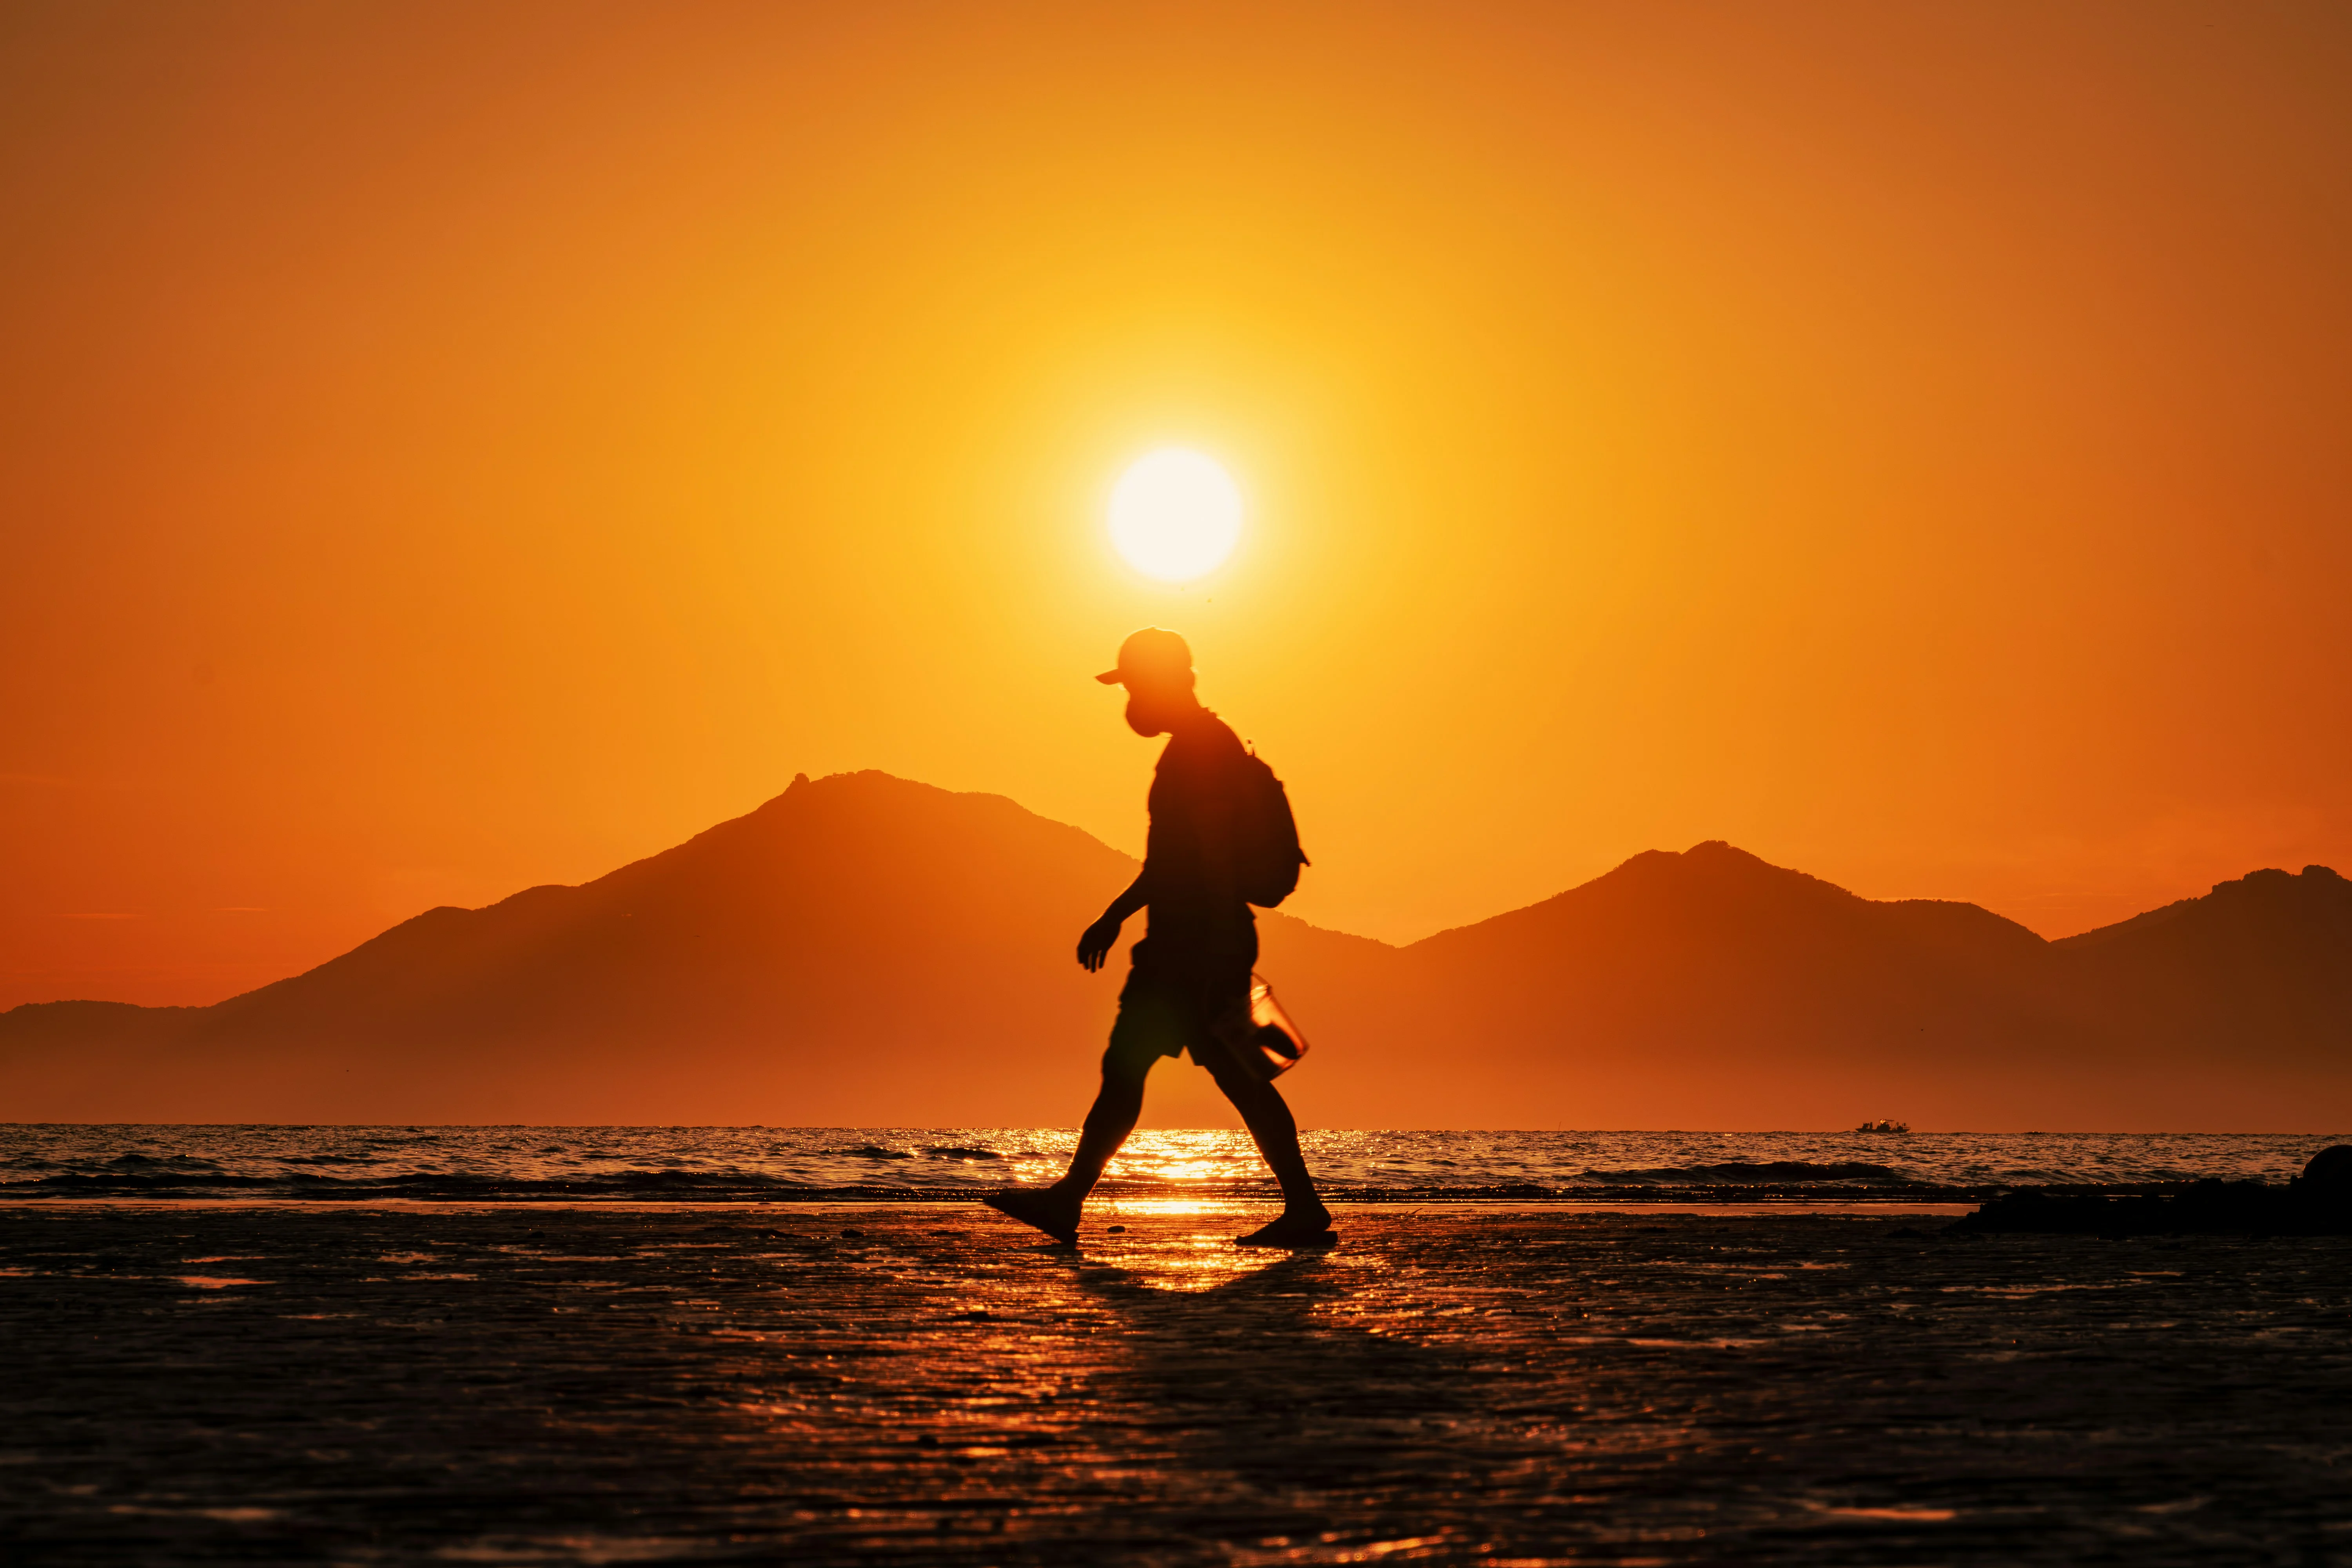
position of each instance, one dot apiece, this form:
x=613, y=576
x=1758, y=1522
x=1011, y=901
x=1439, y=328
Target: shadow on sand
x=1270, y=1416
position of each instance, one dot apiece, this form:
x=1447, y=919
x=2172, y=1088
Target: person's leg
x=1117, y=1106
x=1267, y=1116
x=1137, y=1041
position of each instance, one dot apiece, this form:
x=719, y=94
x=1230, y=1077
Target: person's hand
x=1096, y=945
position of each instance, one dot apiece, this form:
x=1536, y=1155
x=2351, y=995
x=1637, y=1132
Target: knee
x=1124, y=1067
x=1246, y=1088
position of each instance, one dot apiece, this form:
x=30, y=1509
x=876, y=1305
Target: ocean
x=784, y=1165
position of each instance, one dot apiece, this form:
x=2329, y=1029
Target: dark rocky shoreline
x=2317, y=1203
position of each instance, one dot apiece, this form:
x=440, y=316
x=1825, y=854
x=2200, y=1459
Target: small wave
x=132, y=1181
x=306, y=1184
x=1743, y=1170
x=954, y=1163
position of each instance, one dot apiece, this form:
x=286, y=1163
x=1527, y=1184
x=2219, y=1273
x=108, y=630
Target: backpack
x=1266, y=856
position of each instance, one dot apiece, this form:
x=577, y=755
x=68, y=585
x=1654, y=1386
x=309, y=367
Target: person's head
x=1156, y=668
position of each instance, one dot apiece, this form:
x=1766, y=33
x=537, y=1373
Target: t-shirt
x=1188, y=858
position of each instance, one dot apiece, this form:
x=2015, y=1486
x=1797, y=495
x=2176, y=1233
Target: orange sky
x=452, y=447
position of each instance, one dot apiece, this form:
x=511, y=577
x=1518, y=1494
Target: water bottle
x=1271, y=1044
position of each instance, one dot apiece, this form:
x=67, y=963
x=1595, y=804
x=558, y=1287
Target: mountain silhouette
x=2260, y=969
x=867, y=950
x=1712, y=989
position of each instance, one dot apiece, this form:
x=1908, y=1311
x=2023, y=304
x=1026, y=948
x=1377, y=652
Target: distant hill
x=1711, y=989
x=863, y=950
x=2257, y=973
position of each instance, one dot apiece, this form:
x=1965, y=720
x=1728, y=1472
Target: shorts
x=1172, y=1000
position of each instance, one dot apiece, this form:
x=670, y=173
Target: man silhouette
x=1191, y=972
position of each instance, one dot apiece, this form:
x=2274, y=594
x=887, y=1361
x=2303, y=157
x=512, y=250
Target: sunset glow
x=1898, y=441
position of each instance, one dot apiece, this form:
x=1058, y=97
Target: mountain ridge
x=867, y=950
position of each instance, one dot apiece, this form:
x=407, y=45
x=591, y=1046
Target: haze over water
x=783, y=1164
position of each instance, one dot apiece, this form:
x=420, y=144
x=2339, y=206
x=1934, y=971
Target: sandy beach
x=926, y=1385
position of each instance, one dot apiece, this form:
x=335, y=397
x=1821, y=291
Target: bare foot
x=1296, y=1228
x=1039, y=1206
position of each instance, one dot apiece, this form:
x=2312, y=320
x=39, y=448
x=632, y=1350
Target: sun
x=1175, y=515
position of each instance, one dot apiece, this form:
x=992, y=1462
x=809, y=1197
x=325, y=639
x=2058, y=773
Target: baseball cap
x=1150, y=654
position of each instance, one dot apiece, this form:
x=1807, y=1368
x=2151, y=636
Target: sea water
x=804, y=1164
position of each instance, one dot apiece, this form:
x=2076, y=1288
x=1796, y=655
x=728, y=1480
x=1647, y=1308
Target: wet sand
x=929, y=1384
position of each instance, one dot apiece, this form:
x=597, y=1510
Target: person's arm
x=1103, y=935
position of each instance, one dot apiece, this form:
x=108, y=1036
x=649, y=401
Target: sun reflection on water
x=1186, y=1155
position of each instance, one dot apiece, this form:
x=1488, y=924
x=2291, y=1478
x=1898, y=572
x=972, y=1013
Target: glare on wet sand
x=929, y=1383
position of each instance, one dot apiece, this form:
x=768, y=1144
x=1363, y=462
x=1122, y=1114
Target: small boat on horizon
x=1884, y=1125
